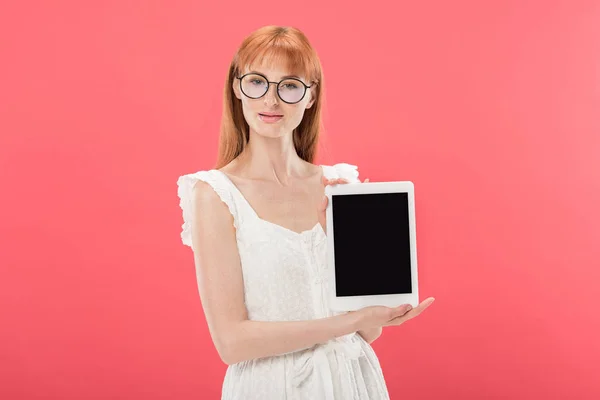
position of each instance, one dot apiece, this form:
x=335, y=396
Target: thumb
x=323, y=205
x=321, y=214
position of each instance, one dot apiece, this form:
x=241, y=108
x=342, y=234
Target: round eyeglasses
x=289, y=90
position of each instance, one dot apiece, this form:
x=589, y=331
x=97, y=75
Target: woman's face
x=282, y=117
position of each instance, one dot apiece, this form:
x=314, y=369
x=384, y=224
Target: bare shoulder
x=208, y=206
x=203, y=192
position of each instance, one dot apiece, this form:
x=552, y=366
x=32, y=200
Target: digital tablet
x=371, y=245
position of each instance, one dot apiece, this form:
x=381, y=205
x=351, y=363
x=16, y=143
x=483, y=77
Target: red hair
x=286, y=45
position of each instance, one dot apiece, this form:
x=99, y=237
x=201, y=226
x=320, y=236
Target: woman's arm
x=221, y=289
x=370, y=335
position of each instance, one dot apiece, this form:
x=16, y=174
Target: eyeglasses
x=289, y=90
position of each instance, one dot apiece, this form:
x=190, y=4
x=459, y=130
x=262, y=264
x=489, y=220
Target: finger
x=326, y=181
x=412, y=313
x=322, y=206
x=421, y=307
x=338, y=181
x=404, y=310
x=399, y=311
x=426, y=303
x=397, y=321
x=321, y=214
x=402, y=318
x=366, y=180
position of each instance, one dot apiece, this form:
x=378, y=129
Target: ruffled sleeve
x=185, y=186
x=342, y=170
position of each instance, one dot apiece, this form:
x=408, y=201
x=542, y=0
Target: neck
x=272, y=159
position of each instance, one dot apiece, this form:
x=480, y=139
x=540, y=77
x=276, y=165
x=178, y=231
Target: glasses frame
x=269, y=86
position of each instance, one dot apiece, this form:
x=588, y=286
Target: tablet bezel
x=352, y=303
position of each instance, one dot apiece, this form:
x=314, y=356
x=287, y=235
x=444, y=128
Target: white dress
x=285, y=279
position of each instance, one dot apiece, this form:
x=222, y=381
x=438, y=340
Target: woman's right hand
x=381, y=316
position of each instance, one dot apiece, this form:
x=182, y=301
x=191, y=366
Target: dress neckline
x=317, y=227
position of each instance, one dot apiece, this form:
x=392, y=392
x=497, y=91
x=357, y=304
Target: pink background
x=490, y=107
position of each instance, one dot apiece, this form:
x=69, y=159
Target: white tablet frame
x=352, y=303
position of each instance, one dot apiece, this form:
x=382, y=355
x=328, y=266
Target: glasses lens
x=291, y=90
x=254, y=86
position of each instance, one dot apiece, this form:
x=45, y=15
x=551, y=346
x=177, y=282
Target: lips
x=270, y=118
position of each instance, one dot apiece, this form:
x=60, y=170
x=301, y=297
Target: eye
x=290, y=85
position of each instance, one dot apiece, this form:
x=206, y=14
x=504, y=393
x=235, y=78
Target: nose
x=271, y=97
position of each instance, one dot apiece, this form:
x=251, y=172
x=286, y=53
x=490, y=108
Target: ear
x=235, y=85
x=312, y=99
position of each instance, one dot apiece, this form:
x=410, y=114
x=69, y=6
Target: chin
x=268, y=131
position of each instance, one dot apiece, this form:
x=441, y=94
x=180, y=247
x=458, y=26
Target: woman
x=256, y=225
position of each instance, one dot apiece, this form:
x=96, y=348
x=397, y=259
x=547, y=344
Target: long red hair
x=277, y=44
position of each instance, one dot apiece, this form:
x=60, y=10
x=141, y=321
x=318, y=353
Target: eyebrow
x=283, y=77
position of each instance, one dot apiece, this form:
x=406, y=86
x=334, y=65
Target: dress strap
x=243, y=206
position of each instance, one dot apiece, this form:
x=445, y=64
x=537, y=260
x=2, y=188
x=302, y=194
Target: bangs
x=292, y=55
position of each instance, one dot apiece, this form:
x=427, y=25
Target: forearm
x=256, y=339
x=370, y=335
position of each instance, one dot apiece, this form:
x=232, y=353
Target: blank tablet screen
x=372, y=244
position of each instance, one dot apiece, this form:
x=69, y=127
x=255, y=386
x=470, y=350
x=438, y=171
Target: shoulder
x=202, y=193
x=212, y=206
x=342, y=170
x=193, y=185
x=205, y=188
